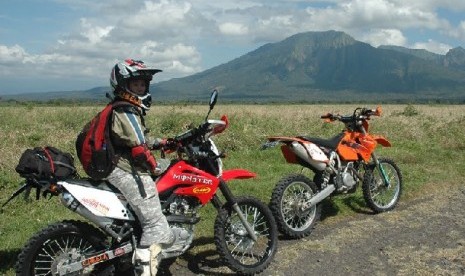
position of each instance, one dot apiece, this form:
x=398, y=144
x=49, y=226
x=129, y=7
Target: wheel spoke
x=379, y=196
x=245, y=251
x=294, y=198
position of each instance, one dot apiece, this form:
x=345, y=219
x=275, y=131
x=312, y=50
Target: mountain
x=322, y=66
x=455, y=58
x=421, y=53
x=93, y=95
x=328, y=66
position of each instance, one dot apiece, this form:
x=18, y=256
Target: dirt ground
x=423, y=236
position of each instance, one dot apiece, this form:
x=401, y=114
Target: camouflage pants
x=155, y=228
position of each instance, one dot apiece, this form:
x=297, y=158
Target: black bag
x=46, y=163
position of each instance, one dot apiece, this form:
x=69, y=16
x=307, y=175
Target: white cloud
x=94, y=34
x=178, y=66
x=454, y=5
x=384, y=37
x=230, y=28
x=432, y=46
x=170, y=34
x=458, y=32
x=11, y=55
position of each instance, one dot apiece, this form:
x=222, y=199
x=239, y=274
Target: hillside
x=322, y=65
x=318, y=66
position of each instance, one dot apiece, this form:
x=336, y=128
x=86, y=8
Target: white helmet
x=132, y=69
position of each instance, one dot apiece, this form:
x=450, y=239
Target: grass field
x=428, y=145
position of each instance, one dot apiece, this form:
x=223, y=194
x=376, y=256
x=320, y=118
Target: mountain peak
x=455, y=58
x=327, y=39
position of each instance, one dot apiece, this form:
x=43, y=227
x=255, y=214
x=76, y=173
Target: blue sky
x=64, y=45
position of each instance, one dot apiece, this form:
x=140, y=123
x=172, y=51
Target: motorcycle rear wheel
x=59, y=244
x=237, y=249
x=377, y=196
x=287, y=204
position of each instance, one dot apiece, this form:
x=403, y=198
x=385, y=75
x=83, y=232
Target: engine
x=182, y=217
x=181, y=207
x=346, y=179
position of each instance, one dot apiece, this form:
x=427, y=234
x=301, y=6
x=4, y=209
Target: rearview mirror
x=213, y=98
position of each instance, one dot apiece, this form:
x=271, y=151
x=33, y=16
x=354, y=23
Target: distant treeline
x=67, y=102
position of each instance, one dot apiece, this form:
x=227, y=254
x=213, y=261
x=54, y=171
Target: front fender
x=382, y=141
x=237, y=174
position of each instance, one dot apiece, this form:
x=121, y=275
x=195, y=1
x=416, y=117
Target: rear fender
x=284, y=139
x=237, y=174
x=288, y=154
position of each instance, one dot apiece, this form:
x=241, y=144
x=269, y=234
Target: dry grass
x=428, y=145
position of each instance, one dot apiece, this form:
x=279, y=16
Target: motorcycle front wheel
x=379, y=196
x=237, y=249
x=288, y=205
x=60, y=244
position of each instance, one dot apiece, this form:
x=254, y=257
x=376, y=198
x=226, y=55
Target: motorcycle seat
x=101, y=185
x=330, y=143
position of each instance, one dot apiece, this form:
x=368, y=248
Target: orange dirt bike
x=339, y=165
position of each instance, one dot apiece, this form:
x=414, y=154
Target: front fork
x=377, y=163
x=379, y=166
x=231, y=200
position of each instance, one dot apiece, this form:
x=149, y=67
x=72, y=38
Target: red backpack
x=93, y=144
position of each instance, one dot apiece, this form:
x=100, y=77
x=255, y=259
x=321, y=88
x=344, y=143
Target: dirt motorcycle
x=338, y=164
x=245, y=231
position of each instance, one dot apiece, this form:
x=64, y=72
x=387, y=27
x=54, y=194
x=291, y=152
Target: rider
x=130, y=81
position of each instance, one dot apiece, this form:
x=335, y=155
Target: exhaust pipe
x=104, y=223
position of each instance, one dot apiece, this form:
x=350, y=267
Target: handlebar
x=184, y=142
x=208, y=127
x=359, y=114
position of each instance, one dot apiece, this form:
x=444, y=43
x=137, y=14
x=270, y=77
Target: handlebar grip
x=327, y=116
x=369, y=112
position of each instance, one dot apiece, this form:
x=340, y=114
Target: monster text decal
x=193, y=178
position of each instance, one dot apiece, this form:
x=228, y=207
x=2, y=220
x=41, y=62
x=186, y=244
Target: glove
x=143, y=157
x=167, y=144
x=158, y=143
x=170, y=144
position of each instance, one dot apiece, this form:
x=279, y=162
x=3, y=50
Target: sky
x=66, y=45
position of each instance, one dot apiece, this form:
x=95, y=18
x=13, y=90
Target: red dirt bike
x=245, y=231
x=338, y=164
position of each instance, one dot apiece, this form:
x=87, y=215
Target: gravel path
x=425, y=236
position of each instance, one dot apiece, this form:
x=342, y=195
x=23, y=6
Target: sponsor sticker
x=201, y=190
x=102, y=208
x=95, y=259
x=118, y=252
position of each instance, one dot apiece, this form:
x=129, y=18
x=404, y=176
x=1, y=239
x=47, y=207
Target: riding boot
x=142, y=261
x=155, y=257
